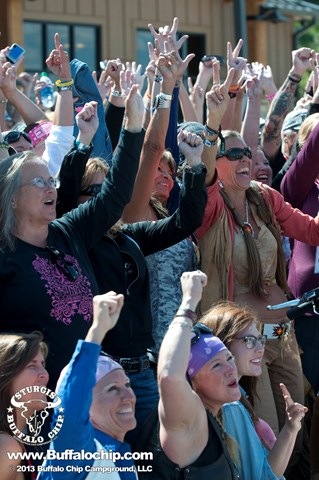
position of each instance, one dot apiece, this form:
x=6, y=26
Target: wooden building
x=104, y=29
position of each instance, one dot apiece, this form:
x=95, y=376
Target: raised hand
x=106, y=312
x=191, y=146
x=87, y=122
x=236, y=62
x=58, y=61
x=136, y=70
x=217, y=98
x=295, y=411
x=192, y=287
x=164, y=32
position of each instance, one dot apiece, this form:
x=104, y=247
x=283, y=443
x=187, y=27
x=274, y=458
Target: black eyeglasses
x=234, y=154
x=251, y=340
x=63, y=264
x=92, y=190
x=15, y=135
x=200, y=329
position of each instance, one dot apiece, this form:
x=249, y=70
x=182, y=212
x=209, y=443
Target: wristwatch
x=162, y=100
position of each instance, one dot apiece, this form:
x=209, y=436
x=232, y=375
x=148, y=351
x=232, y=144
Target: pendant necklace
x=247, y=226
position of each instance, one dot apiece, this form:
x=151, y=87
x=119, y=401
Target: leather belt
x=277, y=330
x=133, y=364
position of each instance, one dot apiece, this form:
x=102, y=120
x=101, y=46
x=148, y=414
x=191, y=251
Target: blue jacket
x=77, y=432
x=86, y=90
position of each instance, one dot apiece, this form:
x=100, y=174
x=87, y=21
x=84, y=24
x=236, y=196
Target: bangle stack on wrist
x=61, y=86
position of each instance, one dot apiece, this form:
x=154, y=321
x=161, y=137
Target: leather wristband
x=186, y=312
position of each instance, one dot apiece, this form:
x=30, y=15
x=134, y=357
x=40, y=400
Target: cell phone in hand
x=208, y=58
x=15, y=53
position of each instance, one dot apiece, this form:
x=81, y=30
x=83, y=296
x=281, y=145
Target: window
x=80, y=41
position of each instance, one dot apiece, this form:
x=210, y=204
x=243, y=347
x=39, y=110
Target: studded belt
x=133, y=364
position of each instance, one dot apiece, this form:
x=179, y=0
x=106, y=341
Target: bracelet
x=182, y=324
x=211, y=131
x=270, y=96
x=116, y=93
x=64, y=87
x=187, y=313
x=4, y=145
x=293, y=79
x=158, y=78
x=60, y=84
x=163, y=100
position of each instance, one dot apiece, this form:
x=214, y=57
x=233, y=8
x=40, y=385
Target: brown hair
x=16, y=352
x=93, y=166
x=227, y=320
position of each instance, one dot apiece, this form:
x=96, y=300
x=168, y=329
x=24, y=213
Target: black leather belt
x=133, y=364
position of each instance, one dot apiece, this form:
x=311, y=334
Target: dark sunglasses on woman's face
x=200, y=329
x=235, y=153
x=92, y=190
x=15, y=135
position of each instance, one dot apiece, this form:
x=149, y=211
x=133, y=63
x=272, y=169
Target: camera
x=15, y=53
x=208, y=58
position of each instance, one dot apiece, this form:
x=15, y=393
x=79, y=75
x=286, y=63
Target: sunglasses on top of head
x=235, y=153
x=200, y=329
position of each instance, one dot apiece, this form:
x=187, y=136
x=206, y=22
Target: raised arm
x=217, y=102
x=183, y=420
x=279, y=456
x=283, y=102
x=154, y=143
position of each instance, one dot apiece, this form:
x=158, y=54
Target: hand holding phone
x=14, y=53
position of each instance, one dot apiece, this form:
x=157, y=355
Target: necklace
x=247, y=226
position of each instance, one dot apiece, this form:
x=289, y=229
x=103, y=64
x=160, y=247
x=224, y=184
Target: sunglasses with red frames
x=234, y=154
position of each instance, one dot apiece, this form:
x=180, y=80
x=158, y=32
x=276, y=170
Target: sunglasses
x=15, y=135
x=234, y=154
x=63, y=264
x=92, y=190
x=200, y=329
x=251, y=340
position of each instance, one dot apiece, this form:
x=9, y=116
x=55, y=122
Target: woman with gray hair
x=44, y=261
